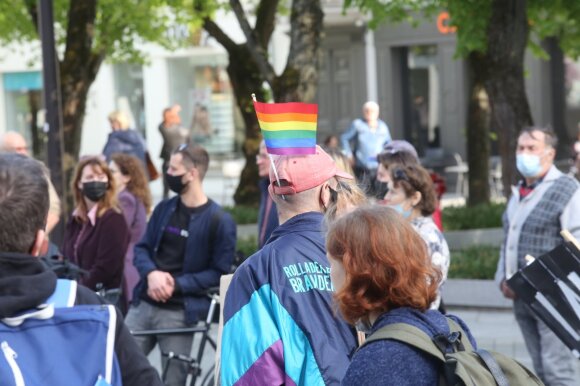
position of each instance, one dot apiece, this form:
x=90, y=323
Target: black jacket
x=25, y=283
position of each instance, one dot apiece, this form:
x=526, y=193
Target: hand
x=160, y=286
x=507, y=291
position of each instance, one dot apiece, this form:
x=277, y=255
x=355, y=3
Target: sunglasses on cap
x=183, y=149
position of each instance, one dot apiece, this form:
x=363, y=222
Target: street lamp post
x=52, y=103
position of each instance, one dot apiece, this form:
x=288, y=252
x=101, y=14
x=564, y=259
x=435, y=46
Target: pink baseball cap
x=298, y=173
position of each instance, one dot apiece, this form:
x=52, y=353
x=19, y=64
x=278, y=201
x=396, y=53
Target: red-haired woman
x=97, y=235
x=382, y=275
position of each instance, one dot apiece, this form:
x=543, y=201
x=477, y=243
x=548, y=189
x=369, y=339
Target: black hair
x=23, y=202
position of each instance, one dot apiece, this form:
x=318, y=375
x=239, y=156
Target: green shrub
x=477, y=262
x=479, y=216
x=247, y=245
x=243, y=214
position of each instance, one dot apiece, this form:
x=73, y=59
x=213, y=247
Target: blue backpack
x=60, y=344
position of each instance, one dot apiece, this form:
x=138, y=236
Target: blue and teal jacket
x=280, y=326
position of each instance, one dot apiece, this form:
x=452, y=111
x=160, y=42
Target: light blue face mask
x=399, y=209
x=528, y=165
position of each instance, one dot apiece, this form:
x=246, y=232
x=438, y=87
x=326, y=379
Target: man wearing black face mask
x=189, y=243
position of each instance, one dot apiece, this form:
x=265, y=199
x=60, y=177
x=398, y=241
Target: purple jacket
x=98, y=247
x=136, y=217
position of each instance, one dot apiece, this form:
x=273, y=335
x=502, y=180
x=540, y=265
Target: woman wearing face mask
x=412, y=194
x=96, y=236
x=135, y=201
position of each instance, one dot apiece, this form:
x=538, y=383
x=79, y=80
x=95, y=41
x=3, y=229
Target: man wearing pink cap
x=279, y=322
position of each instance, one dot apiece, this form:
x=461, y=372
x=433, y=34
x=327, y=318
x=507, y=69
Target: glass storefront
x=129, y=94
x=202, y=88
x=421, y=97
x=24, y=106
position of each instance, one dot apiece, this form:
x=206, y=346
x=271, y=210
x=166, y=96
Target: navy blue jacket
x=203, y=263
x=127, y=142
x=389, y=362
x=280, y=325
x=266, y=225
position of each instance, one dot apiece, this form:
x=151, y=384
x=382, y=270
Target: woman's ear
x=416, y=198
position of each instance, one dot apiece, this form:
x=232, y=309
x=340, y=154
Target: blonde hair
x=349, y=196
x=121, y=118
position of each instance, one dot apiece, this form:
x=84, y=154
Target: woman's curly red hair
x=385, y=261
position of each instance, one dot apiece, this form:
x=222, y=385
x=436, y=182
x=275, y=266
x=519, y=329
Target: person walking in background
x=267, y=214
x=173, y=135
x=545, y=202
x=96, y=236
x=368, y=135
x=279, y=323
x=411, y=194
x=125, y=140
x=135, y=201
x=382, y=276
x=13, y=142
x=189, y=243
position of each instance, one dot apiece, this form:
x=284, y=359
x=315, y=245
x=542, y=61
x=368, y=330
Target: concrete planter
x=473, y=293
x=467, y=238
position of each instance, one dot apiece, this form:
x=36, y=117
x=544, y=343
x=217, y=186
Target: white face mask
x=529, y=165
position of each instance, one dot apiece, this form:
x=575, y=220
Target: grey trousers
x=148, y=317
x=553, y=361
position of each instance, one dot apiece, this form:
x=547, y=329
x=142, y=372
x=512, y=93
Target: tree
x=87, y=33
x=249, y=68
x=493, y=35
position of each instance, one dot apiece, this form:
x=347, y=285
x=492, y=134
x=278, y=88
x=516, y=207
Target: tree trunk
x=34, y=103
x=247, y=79
x=558, y=96
x=78, y=70
x=478, y=132
x=507, y=39
x=299, y=81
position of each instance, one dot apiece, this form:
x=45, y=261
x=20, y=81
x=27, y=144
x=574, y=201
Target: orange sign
x=443, y=23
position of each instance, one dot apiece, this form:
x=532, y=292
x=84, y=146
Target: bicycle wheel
x=209, y=379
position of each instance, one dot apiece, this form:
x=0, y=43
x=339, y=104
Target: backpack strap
x=464, y=339
x=64, y=295
x=493, y=367
x=408, y=334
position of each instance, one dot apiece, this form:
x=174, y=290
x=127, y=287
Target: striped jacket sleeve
x=261, y=343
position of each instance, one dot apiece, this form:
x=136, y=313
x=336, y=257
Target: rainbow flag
x=288, y=128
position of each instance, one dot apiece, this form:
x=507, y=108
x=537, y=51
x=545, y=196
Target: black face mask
x=95, y=190
x=175, y=183
x=382, y=188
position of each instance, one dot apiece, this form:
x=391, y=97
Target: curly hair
x=108, y=201
x=385, y=261
x=414, y=178
x=138, y=185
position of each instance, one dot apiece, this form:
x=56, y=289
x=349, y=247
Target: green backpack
x=464, y=366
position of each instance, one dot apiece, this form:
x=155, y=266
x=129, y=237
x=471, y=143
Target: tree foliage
x=118, y=31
